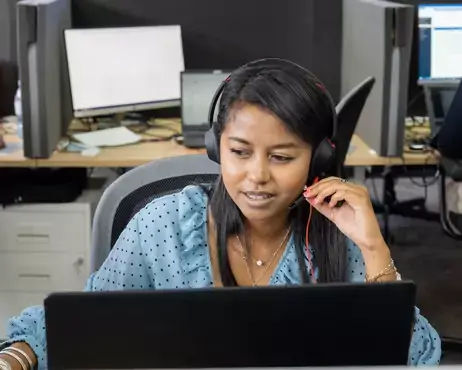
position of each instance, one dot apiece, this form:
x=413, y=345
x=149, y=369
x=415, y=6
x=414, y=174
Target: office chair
x=447, y=142
x=348, y=112
x=136, y=188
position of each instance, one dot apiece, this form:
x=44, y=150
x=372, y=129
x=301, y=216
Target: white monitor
x=440, y=42
x=126, y=69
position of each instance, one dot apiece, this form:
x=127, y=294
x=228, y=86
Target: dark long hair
x=296, y=99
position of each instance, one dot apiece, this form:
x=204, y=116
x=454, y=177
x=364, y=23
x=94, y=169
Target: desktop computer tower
x=377, y=41
x=46, y=102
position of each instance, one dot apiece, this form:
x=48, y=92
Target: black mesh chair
x=136, y=188
x=348, y=111
x=448, y=143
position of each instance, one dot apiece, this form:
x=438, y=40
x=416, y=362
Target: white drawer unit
x=44, y=248
x=43, y=272
x=26, y=230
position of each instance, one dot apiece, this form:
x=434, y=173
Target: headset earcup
x=211, y=144
x=323, y=158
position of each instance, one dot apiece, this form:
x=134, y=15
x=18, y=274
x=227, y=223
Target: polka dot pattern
x=165, y=246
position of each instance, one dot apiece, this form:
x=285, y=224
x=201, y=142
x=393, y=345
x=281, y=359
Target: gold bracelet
x=390, y=269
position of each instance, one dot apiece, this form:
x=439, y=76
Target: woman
x=244, y=231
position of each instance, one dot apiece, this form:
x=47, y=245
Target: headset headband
x=274, y=62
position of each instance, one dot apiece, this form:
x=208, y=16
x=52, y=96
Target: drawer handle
x=35, y=276
x=33, y=236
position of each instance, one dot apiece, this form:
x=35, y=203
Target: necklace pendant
x=259, y=263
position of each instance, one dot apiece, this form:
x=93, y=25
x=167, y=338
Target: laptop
x=197, y=91
x=277, y=326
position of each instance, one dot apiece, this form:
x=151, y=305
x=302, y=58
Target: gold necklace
x=270, y=262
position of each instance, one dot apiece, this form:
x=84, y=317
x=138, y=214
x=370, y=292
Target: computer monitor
x=197, y=90
x=125, y=69
x=279, y=326
x=440, y=41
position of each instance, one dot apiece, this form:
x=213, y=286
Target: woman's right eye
x=239, y=152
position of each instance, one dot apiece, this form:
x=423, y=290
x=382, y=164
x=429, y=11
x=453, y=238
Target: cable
x=414, y=100
x=308, y=252
x=424, y=183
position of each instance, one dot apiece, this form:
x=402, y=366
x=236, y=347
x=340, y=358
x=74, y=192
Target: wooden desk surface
x=15, y=158
x=124, y=156
x=361, y=155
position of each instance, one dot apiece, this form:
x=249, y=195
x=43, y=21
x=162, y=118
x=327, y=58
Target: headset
x=324, y=154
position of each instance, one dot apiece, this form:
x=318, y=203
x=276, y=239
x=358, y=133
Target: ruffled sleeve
x=195, y=255
x=425, y=346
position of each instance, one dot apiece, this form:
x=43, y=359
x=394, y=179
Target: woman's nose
x=258, y=170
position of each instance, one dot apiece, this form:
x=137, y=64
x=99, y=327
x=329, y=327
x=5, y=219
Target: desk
x=361, y=155
x=15, y=158
x=134, y=155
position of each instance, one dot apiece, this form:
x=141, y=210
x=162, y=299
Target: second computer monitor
x=197, y=91
x=440, y=42
x=127, y=69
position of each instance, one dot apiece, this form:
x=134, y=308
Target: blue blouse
x=165, y=246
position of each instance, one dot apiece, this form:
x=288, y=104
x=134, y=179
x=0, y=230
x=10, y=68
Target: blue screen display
x=440, y=41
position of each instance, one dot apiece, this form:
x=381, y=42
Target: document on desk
x=108, y=137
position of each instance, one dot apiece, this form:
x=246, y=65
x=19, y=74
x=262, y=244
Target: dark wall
x=8, y=65
x=8, y=87
x=223, y=34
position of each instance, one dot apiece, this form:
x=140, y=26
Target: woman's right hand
x=15, y=365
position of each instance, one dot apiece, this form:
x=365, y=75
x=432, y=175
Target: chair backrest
x=348, y=111
x=136, y=188
x=448, y=139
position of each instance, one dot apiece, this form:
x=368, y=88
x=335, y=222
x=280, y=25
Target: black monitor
x=285, y=326
x=197, y=91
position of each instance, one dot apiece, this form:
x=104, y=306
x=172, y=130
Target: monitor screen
x=124, y=69
x=198, y=89
x=440, y=41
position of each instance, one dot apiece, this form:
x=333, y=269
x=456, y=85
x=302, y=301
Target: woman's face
x=263, y=165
